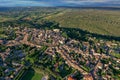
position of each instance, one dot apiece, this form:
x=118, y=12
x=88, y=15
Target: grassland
x=2, y=35
x=105, y=22
x=32, y=75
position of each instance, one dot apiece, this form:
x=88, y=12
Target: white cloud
x=88, y=2
x=56, y=2
x=23, y=3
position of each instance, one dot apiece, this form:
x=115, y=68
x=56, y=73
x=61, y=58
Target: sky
x=51, y=3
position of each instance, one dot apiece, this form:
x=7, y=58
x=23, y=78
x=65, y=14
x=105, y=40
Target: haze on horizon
x=52, y=3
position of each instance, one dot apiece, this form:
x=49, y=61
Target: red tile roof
x=70, y=78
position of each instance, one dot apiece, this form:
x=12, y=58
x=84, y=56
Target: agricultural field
x=105, y=22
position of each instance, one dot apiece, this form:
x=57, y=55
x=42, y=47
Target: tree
x=1, y=72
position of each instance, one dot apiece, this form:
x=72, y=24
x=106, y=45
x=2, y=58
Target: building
x=56, y=30
x=1, y=42
x=88, y=77
x=70, y=78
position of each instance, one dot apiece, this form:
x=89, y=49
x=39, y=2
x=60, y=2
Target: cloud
x=82, y=1
x=23, y=3
x=59, y=2
x=90, y=1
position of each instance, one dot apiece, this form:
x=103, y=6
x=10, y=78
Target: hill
x=97, y=20
x=105, y=22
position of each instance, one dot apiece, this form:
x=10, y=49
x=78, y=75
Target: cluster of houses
x=9, y=68
x=70, y=51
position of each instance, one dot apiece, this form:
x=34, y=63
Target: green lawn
x=32, y=75
x=1, y=33
x=117, y=55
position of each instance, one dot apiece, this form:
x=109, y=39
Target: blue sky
x=12, y=3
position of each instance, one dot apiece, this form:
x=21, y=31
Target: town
x=57, y=55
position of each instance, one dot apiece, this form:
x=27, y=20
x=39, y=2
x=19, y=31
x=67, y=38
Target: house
x=11, y=76
x=56, y=65
x=118, y=61
x=56, y=30
x=40, y=35
x=15, y=64
x=85, y=46
x=45, y=77
x=70, y=78
x=92, y=51
x=88, y=77
x=1, y=41
x=61, y=42
x=100, y=65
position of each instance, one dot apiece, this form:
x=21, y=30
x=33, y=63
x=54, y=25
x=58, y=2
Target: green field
x=32, y=75
x=105, y=22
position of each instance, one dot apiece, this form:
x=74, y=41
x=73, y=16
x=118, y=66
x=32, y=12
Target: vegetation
x=31, y=74
x=89, y=32
x=104, y=22
x=95, y=21
x=20, y=74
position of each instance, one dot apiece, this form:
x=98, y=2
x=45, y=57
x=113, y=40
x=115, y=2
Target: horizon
x=53, y=3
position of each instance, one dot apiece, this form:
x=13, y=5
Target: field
x=105, y=22
x=32, y=75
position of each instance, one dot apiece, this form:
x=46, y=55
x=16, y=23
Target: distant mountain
x=33, y=8
x=102, y=8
